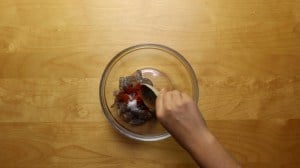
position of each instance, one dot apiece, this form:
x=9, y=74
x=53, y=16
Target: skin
x=179, y=114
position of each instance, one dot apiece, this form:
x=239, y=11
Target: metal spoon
x=149, y=95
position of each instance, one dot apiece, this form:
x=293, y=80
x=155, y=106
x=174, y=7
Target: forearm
x=208, y=152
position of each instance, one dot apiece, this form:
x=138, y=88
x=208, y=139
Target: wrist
x=200, y=139
x=208, y=152
x=200, y=144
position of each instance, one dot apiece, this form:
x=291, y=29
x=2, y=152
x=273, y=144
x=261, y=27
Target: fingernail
x=162, y=91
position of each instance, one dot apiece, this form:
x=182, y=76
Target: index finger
x=159, y=103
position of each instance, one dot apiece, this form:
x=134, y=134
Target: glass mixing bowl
x=165, y=67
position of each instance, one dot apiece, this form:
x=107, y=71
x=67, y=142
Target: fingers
x=162, y=91
x=159, y=103
x=169, y=100
x=177, y=97
x=185, y=97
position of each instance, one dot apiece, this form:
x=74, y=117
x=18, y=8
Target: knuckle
x=164, y=112
x=176, y=91
x=168, y=108
x=160, y=115
x=184, y=102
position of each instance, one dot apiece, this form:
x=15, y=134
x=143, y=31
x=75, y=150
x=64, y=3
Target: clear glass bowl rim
x=111, y=64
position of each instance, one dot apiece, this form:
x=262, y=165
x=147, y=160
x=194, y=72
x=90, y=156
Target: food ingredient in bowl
x=128, y=100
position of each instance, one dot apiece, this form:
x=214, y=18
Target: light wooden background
x=246, y=55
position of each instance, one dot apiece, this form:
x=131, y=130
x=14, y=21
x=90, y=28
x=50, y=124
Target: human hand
x=179, y=114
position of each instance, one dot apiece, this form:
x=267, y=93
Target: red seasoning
x=129, y=102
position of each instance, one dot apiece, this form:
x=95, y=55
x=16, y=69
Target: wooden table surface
x=246, y=55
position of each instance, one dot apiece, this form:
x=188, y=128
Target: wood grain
x=246, y=55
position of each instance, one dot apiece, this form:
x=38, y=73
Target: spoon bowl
x=149, y=95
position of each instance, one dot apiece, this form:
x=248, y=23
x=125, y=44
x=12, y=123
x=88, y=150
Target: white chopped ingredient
x=132, y=105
